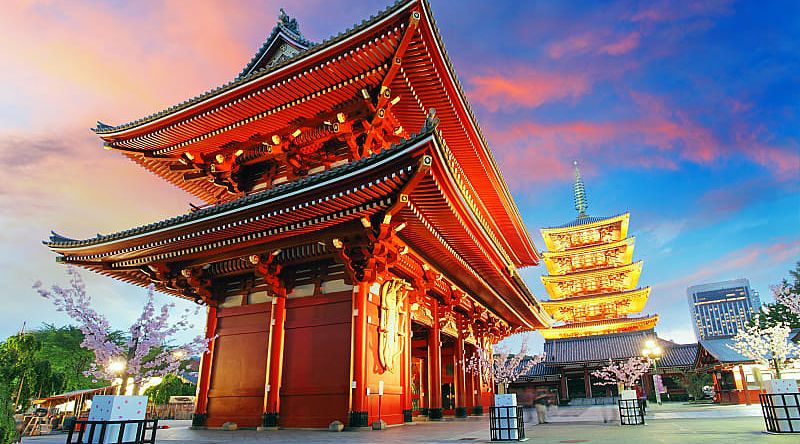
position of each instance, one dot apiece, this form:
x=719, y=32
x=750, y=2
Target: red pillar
x=359, y=415
x=274, y=362
x=435, y=365
x=460, y=377
x=744, y=385
x=406, y=374
x=204, y=379
x=564, y=388
x=587, y=382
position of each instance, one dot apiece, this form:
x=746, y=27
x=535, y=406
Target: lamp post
x=653, y=352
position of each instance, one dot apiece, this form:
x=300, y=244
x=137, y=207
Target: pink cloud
x=736, y=263
x=625, y=44
x=525, y=87
x=663, y=10
x=600, y=41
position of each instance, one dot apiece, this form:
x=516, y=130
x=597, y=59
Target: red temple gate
x=350, y=265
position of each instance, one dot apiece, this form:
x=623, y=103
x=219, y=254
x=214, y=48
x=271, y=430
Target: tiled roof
x=399, y=4
x=598, y=348
x=289, y=27
x=720, y=350
x=586, y=221
x=678, y=355
x=617, y=346
x=57, y=240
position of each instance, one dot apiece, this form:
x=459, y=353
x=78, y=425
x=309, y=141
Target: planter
x=505, y=419
x=780, y=406
x=108, y=412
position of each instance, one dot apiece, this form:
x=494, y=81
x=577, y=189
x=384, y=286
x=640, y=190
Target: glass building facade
x=720, y=308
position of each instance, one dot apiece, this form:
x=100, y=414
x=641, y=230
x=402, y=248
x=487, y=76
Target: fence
x=781, y=412
x=170, y=411
x=108, y=430
x=506, y=423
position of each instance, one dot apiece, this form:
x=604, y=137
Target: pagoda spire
x=581, y=202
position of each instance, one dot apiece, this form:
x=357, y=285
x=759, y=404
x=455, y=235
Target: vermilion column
x=435, y=366
x=744, y=385
x=359, y=416
x=406, y=380
x=204, y=380
x=275, y=362
x=460, y=378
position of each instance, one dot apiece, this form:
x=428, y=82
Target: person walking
x=540, y=404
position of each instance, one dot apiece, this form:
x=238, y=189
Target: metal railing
x=631, y=412
x=781, y=412
x=101, y=432
x=506, y=423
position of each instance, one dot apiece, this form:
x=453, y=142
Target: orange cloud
x=525, y=87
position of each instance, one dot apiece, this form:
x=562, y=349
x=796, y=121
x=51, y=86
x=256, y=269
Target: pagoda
x=356, y=243
x=592, y=282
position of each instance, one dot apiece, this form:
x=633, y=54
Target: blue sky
x=684, y=114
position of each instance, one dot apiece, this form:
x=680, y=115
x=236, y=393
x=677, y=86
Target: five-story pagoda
x=592, y=282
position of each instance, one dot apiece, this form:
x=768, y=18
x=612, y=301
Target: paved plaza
x=671, y=423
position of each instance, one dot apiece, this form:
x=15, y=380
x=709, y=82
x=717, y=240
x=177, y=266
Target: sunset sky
x=683, y=113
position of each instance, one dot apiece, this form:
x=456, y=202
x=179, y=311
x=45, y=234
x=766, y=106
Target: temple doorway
x=419, y=369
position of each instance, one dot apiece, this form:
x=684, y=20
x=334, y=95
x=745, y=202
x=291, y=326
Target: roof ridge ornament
x=581, y=201
x=431, y=121
x=288, y=22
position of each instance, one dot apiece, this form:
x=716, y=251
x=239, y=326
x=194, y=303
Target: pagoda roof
x=586, y=222
x=553, y=267
x=600, y=327
x=616, y=346
x=549, y=281
x=446, y=230
x=263, y=99
x=638, y=299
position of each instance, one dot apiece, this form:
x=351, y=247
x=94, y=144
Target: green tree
x=171, y=385
x=61, y=347
x=694, y=381
x=20, y=375
x=773, y=314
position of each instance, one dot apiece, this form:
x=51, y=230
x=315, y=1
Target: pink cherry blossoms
x=783, y=295
x=627, y=372
x=502, y=368
x=145, y=351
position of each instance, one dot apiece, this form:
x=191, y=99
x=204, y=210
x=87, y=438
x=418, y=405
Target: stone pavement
x=671, y=423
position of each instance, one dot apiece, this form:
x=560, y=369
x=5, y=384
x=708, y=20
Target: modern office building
x=720, y=308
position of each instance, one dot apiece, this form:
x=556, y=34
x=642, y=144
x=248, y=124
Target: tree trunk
x=777, y=368
x=123, y=387
x=136, y=387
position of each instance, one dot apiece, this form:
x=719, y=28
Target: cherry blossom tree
x=785, y=295
x=147, y=348
x=626, y=372
x=767, y=345
x=502, y=367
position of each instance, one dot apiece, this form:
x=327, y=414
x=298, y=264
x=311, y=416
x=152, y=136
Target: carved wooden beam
x=270, y=270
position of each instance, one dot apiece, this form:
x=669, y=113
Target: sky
x=683, y=113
